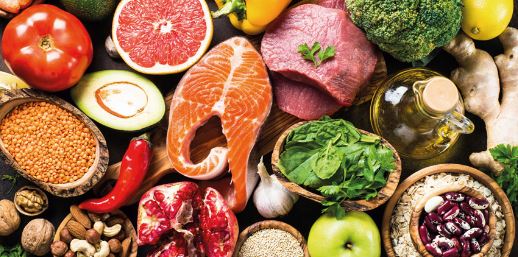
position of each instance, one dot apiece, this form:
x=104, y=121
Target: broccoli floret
x=407, y=29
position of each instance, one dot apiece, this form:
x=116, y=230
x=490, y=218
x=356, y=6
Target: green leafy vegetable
x=334, y=158
x=13, y=179
x=309, y=53
x=15, y=251
x=507, y=155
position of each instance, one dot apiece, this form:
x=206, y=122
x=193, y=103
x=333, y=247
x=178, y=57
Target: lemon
x=486, y=19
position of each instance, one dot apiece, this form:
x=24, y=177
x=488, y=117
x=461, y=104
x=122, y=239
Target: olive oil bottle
x=419, y=112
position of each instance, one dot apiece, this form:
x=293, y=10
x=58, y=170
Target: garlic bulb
x=271, y=198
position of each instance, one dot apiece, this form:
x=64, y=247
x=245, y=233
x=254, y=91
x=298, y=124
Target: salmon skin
x=231, y=82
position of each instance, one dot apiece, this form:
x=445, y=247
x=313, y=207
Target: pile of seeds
x=271, y=243
x=399, y=229
x=48, y=142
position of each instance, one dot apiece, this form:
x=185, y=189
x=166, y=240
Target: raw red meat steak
x=344, y=74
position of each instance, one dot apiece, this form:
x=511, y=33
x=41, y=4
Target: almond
x=126, y=244
x=76, y=229
x=80, y=217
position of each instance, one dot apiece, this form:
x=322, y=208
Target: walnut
x=37, y=236
x=9, y=218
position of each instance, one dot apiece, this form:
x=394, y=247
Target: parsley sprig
x=323, y=54
x=13, y=179
x=507, y=155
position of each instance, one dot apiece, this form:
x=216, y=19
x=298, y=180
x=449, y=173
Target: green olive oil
x=419, y=112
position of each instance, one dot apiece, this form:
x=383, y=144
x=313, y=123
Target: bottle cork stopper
x=440, y=95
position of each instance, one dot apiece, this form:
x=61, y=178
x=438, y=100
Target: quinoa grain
x=48, y=142
x=271, y=243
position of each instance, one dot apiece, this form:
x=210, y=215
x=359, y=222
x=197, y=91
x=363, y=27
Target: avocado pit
x=122, y=99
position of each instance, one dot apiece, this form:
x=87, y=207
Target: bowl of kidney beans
x=453, y=222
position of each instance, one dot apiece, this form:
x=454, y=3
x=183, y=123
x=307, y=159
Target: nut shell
x=115, y=245
x=65, y=236
x=9, y=218
x=37, y=236
x=58, y=248
x=92, y=236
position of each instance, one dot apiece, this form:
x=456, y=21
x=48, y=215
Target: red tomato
x=47, y=47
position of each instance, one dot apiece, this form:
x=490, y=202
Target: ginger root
x=479, y=78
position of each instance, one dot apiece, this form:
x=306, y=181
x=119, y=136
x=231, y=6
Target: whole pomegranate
x=185, y=220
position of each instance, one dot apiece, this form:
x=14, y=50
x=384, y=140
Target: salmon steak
x=230, y=82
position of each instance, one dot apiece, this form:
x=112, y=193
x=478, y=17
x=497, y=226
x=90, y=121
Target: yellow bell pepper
x=250, y=16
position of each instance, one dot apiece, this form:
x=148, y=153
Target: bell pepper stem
x=232, y=6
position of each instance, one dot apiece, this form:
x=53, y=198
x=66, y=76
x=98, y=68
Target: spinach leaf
x=334, y=158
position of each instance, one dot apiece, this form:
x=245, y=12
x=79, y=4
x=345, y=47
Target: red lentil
x=48, y=142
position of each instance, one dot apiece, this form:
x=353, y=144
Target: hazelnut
x=92, y=236
x=115, y=245
x=70, y=254
x=58, y=248
x=65, y=236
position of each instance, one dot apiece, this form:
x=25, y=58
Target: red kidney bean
x=455, y=196
x=434, y=249
x=443, y=242
x=480, y=220
x=471, y=220
x=452, y=213
x=453, y=228
x=429, y=224
x=423, y=233
x=478, y=204
x=451, y=253
x=466, y=251
x=475, y=246
x=461, y=223
x=456, y=244
x=466, y=208
x=441, y=229
x=446, y=206
x=472, y=233
x=434, y=218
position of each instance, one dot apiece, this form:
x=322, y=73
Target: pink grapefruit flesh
x=162, y=36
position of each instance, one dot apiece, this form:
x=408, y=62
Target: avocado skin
x=90, y=10
x=83, y=95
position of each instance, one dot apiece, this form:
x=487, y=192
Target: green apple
x=354, y=235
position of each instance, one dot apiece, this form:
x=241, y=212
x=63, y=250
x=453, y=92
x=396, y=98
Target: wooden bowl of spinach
x=332, y=162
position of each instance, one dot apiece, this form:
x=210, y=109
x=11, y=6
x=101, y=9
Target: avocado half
x=119, y=99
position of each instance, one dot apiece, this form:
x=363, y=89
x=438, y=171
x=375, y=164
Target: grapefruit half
x=162, y=36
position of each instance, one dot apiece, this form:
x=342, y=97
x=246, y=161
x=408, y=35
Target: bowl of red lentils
x=51, y=143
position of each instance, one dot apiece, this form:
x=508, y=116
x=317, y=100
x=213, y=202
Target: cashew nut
x=112, y=231
x=82, y=246
x=99, y=227
x=104, y=250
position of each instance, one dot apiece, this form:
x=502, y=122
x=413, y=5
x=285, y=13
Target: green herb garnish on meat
x=322, y=54
x=507, y=155
x=334, y=158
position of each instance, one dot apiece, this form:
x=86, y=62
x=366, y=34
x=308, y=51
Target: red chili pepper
x=133, y=169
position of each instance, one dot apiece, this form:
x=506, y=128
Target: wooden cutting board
x=210, y=136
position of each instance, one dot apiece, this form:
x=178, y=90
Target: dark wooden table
x=305, y=212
